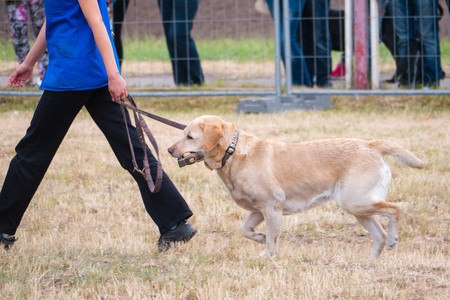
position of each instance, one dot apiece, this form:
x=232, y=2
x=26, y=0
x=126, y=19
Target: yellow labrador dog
x=271, y=178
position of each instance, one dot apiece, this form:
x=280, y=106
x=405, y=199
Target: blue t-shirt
x=75, y=62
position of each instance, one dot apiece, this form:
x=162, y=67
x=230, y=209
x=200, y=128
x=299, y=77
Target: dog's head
x=209, y=135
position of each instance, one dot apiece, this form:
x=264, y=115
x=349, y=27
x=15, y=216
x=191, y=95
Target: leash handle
x=141, y=127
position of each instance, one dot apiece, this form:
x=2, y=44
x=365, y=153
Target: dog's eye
x=189, y=137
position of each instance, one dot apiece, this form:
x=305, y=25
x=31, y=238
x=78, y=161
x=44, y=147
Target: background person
x=83, y=71
x=18, y=20
x=315, y=41
x=177, y=20
x=119, y=11
x=337, y=33
x=300, y=74
x=426, y=32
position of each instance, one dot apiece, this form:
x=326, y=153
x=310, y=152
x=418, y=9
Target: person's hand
x=20, y=75
x=117, y=88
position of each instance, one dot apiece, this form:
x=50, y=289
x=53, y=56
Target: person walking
x=177, y=19
x=83, y=71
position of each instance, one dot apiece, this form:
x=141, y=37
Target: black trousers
x=51, y=121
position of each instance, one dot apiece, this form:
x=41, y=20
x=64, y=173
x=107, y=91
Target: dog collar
x=231, y=148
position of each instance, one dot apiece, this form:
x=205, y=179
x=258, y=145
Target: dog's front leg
x=274, y=218
x=249, y=225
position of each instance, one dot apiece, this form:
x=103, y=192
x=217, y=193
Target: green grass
x=7, y=51
x=156, y=49
x=217, y=49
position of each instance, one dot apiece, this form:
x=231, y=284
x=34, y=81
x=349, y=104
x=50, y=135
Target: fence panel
x=236, y=48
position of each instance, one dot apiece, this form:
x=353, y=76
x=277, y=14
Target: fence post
x=287, y=46
x=361, y=44
x=276, y=24
x=348, y=43
x=374, y=43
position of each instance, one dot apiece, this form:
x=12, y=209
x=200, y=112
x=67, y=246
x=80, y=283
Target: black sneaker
x=6, y=241
x=182, y=234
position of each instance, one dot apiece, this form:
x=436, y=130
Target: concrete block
x=275, y=104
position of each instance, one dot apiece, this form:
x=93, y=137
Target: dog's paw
x=267, y=253
x=392, y=243
x=264, y=253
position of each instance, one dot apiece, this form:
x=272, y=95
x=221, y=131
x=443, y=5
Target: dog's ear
x=212, y=133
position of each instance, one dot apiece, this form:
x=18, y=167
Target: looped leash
x=141, y=127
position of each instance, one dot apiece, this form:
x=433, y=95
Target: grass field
x=246, y=49
x=226, y=63
x=86, y=234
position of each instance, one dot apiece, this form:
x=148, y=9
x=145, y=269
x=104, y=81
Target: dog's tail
x=402, y=155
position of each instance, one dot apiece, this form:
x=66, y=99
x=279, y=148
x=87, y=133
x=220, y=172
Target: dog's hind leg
x=249, y=225
x=376, y=232
x=366, y=216
x=392, y=211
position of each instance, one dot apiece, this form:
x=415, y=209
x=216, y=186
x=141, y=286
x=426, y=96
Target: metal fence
x=240, y=53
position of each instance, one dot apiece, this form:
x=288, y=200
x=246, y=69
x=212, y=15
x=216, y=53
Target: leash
x=141, y=127
x=150, y=115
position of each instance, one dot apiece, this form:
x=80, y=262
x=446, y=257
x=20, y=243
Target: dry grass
x=86, y=234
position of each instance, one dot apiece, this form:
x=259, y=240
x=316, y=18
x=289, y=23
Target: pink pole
x=361, y=44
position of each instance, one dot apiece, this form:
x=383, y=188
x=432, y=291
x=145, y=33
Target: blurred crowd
x=408, y=28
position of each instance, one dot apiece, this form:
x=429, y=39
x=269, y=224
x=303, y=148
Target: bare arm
x=24, y=71
x=116, y=84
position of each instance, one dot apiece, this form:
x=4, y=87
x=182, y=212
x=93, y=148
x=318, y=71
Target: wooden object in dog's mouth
x=190, y=159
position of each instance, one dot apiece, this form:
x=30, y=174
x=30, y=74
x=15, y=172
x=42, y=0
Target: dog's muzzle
x=190, y=159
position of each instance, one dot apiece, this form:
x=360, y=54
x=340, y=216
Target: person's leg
x=306, y=37
x=319, y=61
x=400, y=13
x=389, y=38
x=415, y=57
x=17, y=13
x=188, y=60
x=37, y=13
x=300, y=74
x=382, y=4
x=426, y=10
x=323, y=44
x=166, y=8
x=167, y=207
x=119, y=10
x=439, y=16
x=52, y=118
